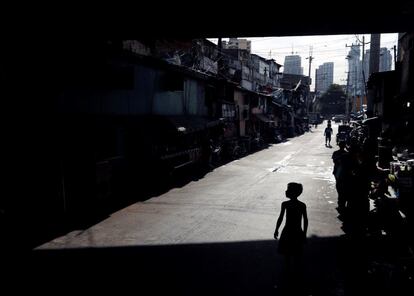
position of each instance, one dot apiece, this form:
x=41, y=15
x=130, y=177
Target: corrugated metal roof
x=263, y=118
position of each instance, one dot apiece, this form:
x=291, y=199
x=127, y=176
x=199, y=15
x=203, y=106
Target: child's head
x=294, y=190
x=342, y=144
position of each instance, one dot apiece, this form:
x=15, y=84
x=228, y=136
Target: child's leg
x=298, y=274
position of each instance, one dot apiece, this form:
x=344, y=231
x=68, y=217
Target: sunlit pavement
x=238, y=201
x=215, y=234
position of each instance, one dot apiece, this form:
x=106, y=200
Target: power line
x=306, y=45
x=276, y=50
x=321, y=49
x=288, y=53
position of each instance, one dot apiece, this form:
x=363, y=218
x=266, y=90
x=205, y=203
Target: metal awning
x=277, y=104
x=190, y=124
x=263, y=118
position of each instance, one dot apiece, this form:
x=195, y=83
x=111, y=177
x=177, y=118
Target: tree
x=332, y=101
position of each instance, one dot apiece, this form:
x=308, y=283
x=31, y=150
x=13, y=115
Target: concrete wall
x=168, y=103
x=146, y=96
x=239, y=100
x=136, y=100
x=262, y=66
x=194, y=97
x=247, y=84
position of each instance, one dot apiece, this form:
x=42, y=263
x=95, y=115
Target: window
x=107, y=77
x=172, y=82
x=119, y=77
x=228, y=111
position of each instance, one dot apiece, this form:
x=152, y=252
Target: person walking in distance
x=327, y=133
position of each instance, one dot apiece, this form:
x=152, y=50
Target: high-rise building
x=356, y=86
x=235, y=43
x=293, y=65
x=366, y=64
x=385, y=61
x=324, y=77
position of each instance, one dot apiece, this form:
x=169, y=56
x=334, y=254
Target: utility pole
x=355, y=92
x=347, y=98
x=219, y=58
x=374, y=53
x=363, y=74
x=374, y=58
x=356, y=72
x=395, y=57
x=310, y=58
x=363, y=65
x=349, y=57
x=363, y=49
x=362, y=43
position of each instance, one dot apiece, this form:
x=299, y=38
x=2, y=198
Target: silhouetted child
x=327, y=133
x=293, y=236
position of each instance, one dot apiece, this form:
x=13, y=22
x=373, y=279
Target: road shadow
x=331, y=266
x=44, y=223
x=235, y=268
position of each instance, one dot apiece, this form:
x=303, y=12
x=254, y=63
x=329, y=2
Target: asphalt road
x=215, y=234
x=237, y=202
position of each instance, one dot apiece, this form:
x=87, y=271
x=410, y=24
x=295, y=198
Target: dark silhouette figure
x=341, y=162
x=293, y=237
x=357, y=196
x=327, y=133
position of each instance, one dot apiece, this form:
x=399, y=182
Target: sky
x=326, y=48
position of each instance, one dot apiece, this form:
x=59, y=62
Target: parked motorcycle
x=385, y=217
x=216, y=151
x=257, y=143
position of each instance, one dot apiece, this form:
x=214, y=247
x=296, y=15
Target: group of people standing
x=352, y=166
x=351, y=171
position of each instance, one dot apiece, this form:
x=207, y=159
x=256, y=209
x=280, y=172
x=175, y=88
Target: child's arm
x=279, y=221
x=305, y=221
